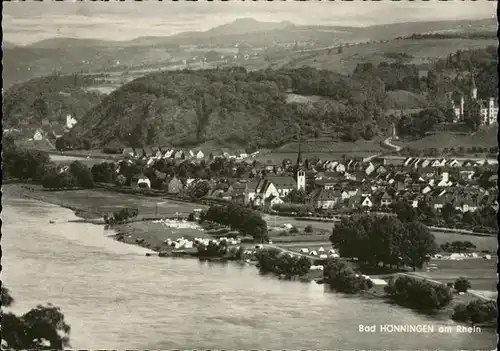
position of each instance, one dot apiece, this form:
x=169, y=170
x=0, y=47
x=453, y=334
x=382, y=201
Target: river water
x=116, y=298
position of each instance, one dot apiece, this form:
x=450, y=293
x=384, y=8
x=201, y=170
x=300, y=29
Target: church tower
x=301, y=179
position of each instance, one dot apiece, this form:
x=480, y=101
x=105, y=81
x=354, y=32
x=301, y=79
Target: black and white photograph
x=249, y=175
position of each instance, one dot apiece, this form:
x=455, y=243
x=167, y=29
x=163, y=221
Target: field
x=155, y=234
x=489, y=243
x=422, y=52
x=107, y=202
x=481, y=273
x=485, y=137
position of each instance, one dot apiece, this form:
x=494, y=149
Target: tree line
x=484, y=219
x=35, y=165
x=243, y=219
x=374, y=240
x=274, y=261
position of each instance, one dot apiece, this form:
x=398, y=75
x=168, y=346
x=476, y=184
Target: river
x=116, y=298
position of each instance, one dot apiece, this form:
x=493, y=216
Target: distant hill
x=57, y=43
x=68, y=55
x=48, y=98
x=234, y=106
x=248, y=26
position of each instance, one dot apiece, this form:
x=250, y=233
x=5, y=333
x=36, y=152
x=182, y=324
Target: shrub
x=418, y=294
x=294, y=230
x=308, y=229
x=462, y=284
x=477, y=311
x=273, y=261
x=121, y=180
x=460, y=313
x=342, y=278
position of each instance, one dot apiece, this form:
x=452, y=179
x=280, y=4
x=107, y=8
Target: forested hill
x=235, y=106
x=48, y=98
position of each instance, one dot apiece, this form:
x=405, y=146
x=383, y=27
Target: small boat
x=51, y=222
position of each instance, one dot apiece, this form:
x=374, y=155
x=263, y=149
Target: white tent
x=313, y=253
x=321, y=249
x=323, y=256
x=304, y=250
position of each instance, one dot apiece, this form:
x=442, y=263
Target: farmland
x=420, y=51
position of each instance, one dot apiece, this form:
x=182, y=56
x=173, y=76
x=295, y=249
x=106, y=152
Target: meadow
x=102, y=201
x=421, y=52
x=485, y=137
x=481, y=273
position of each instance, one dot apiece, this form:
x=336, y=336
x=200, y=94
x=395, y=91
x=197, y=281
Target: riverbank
x=144, y=237
x=111, y=281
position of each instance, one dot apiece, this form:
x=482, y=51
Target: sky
x=28, y=22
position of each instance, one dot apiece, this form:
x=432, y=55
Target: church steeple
x=473, y=88
x=299, y=156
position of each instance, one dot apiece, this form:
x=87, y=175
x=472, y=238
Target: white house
x=143, y=181
x=436, y=163
x=200, y=155
x=425, y=163
x=408, y=161
x=426, y=190
x=367, y=202
x=38, y=135
x=70, y=121
x=369, y=169
x=150, y=162
x=454, y=163
x=275, y=200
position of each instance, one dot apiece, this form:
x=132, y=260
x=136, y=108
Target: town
x=249, y=175
x=322, y=186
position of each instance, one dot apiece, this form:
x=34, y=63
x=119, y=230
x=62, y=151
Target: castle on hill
x=487, y=109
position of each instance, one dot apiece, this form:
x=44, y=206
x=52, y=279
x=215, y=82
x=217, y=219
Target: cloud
x=127, y=20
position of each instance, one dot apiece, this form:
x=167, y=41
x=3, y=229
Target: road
x=387, y=142
x=294, y=253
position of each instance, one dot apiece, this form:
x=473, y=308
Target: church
x=271, y=190
x=488, y=109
